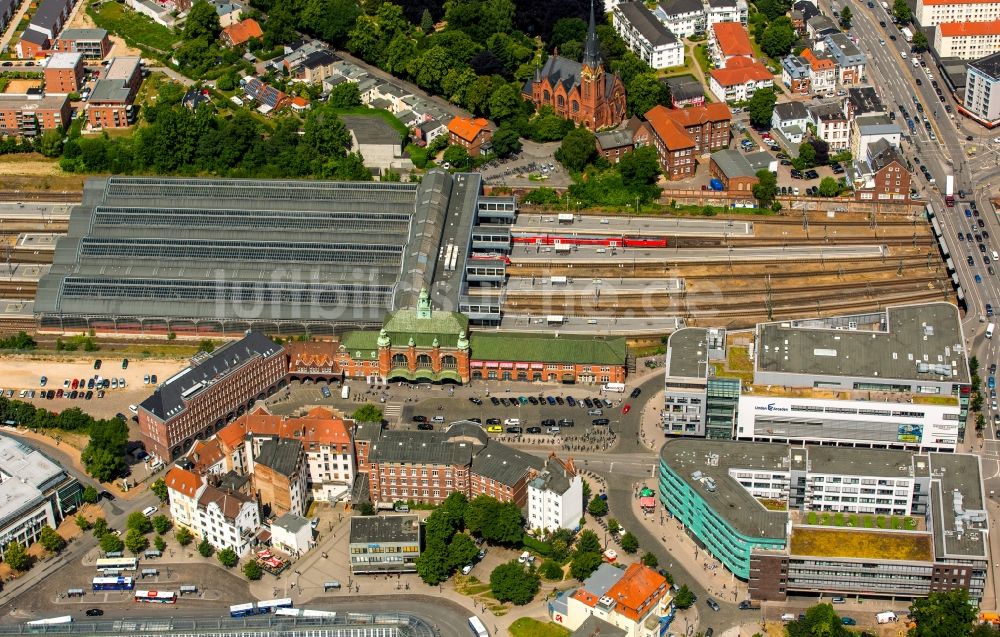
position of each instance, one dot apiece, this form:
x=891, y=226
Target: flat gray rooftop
x=687, y=353
x=730, y=500
x=909, y=335
x=885, y=463
x=25, y=475
x=959, y=522
x=380, y=529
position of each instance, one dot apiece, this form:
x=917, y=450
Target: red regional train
x=590, y=240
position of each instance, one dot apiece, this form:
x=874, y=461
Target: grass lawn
x=377, y=112
x=701, y=54
x=135, y=28
x=856, y=543
x=528, y=627
x=859, y=521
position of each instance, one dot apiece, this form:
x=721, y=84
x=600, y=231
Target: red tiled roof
x=318, y=427
x=232, y=435
x=673, y=135
x=183, y=481
x=741, y=74
x=733, y=39
x=243, y=31
x=817, y=64
x=958, y=29
x=639, y=588
x=467, y=128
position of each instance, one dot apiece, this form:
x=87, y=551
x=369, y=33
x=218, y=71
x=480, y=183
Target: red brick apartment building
x=216, y=389
x=27, y=117
x=93, y=44
x=681, y=134
x=110, y=104
x=427, y=466
x=63, y=73
x=469, y=133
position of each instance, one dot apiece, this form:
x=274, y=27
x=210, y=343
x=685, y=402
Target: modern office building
x=382, y=544
x=830, y=520
x=35, y=491
x=699, y=399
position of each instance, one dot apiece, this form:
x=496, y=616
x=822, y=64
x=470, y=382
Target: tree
x=135, y=541
x=82, y=522
x=778, y=38
x=344, y=95
x=597, y=507
x=202, y=22
x=613, y=525
x=51, y=143
x=761, y=107
x=901, y=10
x=829, y=187
x=506, y=141
x=366, y=508
x=456, y=156
x=461, y=551
x=584, y=563
x=630, y=543
x=684, y=598
x=325, y=134
x=205, y=548
x=639, y=167
x=104, y=455
x=427, y=22
x=650, y=560
x=228, y=557
x=139, y=522
x=90, y=495
x=50, y=540
x=807, y=155
x=253, y=571
x=111, y=543
x=183, y=536
x=946, y=614
x=766, y=188
x=162, y=524
x=551, y=570
x=845, y=18
x=919, y=40
x=367, y=413
x=16, y=557
x=432, y=564
x=100, y=528
x=588, y=542
x=819, y=620
x=643, y=92
x=159, y=487
x=511, y=582
x=159, y=543
x=578, y=149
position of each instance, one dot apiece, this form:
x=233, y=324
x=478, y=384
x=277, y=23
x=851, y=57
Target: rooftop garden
x=862, y=521
x=860, y=544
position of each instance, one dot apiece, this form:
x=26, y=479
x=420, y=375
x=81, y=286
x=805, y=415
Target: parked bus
x=156, y=597
x=303, y=612
x=477, y=627
x=64, y=619
x=113, y=584
x=270, y=605
x=242, y=610
x=615, y=387
x=117, y=564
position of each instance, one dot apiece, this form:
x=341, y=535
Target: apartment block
x=931, y=13
x=63, y=73
x=646, y=36
x=30, y=116
x=92, y=44
x=555, y=496
x=110, y=104
x=982, y=93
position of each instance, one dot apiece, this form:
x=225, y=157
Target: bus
x=615, y=387
x=303, y=612
x=271, y=605
x=242, y=610
x=113, y=584
x=64, y=619
x=117, y=564
x=478, y=629
x=156, y=597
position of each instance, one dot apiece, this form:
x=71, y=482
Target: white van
x=995, y=255
x=615, y=387
x=886, y=617
x=345, y=392
x=149, y=511
x=788, y=617
x=989, y=330
x=511, y=422
x=524, y=557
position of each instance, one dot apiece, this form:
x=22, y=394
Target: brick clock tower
x=592, y=73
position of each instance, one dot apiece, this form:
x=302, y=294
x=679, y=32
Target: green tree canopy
x=630, y=543
x=947, y=614
x=111, y=543
x=778, y=37
x=205, y=548
x=597, y=507
x=135, y=541
x=845, y=17
x=766, y=188
x=820, y=620
x=761, y=107
x=367, y=413
x=584, y=563
x=901, y=9
x=202, y=22
x=90, y=495
x=578, y=149
x=457, y=156
x=433, y=564
x=159, y=487
x=650, y=560
x=100, y=527
x=159, y=543
x=344, y=95
x=588, y=542
x=506, y=141
x=16, y=556
x=684, y=597
x=461, y=551
x=162, y=524
x=228, y=557
x=139, y=522
x=639, y=167
x=104, y=455
x=551, y=570
x=828, y=187
x=183, y=536
x=252, y=570
x=50, y=540
x=512, y=582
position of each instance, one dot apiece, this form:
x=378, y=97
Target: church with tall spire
x=583, y=92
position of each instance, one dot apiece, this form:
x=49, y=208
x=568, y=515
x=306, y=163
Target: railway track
x=765, y=242
x=18, y=289
x=41, y=195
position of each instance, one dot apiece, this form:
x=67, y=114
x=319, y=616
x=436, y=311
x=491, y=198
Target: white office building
x=684, y=18
x=555, y=497
x=646, y=36
x=982, y=93
x=931, y=13
x=725, y=11
x=967, y=40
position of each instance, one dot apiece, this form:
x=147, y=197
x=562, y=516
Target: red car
x=626, y=409
x=75, y=384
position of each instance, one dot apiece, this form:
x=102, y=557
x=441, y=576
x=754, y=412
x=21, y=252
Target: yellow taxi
x=495, y=429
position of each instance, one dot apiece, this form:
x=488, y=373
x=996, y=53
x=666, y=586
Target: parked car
x=475, y=401
x=600, y=422
x=848, y=621
x=635, y=393
x=627, y=408
x=534, y=430
x=425, y=426
x=94, y=612
x=714, y=605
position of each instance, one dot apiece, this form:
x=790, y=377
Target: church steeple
x=591, y=51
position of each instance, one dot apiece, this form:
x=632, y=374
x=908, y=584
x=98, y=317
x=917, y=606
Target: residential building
x=35, y=491
x=967, y=40
x=685, y=397
x=292, y=534
x=555, y=496
x=739, y=80
x=183, y=489
x=796, y=74
x=685, y=91
x=982, y=95
x=229, y=12
x=822, y=73
x=427, y=466
x=267, y=97
x=242, y=32
x=684, y=18
x=931, y=13
x=380, y=144
x=226, y=518
x=707, y=126
x=584, y=93
x=32, y=44
x=110, y=104
x=802, y=11
x=31, y=116
x=93, y=44
x=7, y=10
x=426, y=132
x=381, y=544
x=631, y=602
x=646, y=36
x=162, y=14
x=611, y=145
x=820, y=26
x=216, y=389
x=63, y=73
x=316, y=66
x=849, y=60
x=832, y=125
x=728, y=40
x=674, y=147
x=738, y=171
x=471, y=133
x=863, y=100
x=790, y=120
x=934, y=501
x=725, y=11
x=882, y=174
x=49, y=17
x=278, y=473
x=868, y=129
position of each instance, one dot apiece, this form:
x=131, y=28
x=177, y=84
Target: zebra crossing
x=392, y=411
